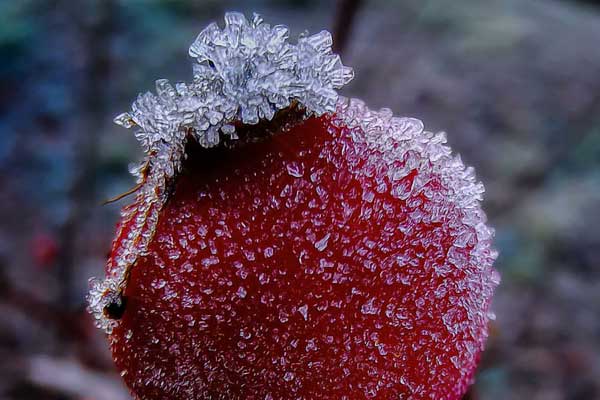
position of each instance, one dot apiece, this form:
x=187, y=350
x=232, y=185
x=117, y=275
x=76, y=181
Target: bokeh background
x=515, y=83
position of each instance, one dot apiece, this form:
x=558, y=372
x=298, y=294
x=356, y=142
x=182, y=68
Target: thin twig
x=345, y=15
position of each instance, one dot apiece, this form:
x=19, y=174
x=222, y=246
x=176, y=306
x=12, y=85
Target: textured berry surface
x=314, y=265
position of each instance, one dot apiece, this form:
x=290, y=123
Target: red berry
x=287, y=244
x=346, y=258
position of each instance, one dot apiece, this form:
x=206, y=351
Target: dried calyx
x=245, y=73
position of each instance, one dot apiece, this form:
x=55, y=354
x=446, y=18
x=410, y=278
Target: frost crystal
x=101, y=295
x=245, y=72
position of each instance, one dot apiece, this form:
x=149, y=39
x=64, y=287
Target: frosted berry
x=334, y=253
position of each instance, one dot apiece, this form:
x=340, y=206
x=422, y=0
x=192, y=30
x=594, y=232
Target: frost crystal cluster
x=245, y=72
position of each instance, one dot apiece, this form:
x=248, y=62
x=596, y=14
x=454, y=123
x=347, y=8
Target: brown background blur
x=515, y=83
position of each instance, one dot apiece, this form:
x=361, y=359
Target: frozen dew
x=124, y=120
x=159, y=283
x=263, y=278
x=288, y=376
x=209, y=261
x=241, y=292
x=295, y=169
x=303, y=310
x=369, y=307
x=245, y=334
x=283, y=316
x=322, y=243
x=191, y=321
x=311, y=345
x=268, y=252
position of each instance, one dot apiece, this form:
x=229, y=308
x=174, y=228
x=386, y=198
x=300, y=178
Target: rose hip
x=287, y=243
x=325, y=262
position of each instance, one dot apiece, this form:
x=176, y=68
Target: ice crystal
x=245, y=72
x=102, y=294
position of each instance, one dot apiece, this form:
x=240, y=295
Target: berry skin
x=344, y=258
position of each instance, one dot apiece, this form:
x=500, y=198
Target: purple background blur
x=515, y=83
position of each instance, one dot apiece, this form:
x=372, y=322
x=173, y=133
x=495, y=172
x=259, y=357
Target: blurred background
x=515, y=83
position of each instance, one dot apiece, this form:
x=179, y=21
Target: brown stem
x=342, y=25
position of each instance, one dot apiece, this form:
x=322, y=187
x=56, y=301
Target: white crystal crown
x=245, y=72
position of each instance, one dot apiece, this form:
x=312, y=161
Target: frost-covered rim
x=245, y=72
